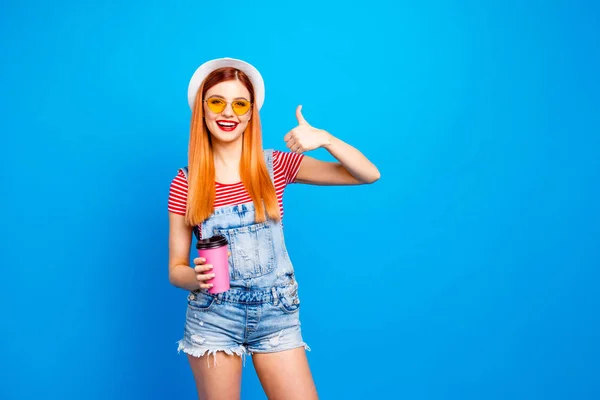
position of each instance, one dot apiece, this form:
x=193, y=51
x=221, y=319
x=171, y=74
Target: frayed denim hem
x=276, y=350
x=204, y=351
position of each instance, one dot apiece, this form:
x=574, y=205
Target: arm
x=352, y=168
x=180, y=238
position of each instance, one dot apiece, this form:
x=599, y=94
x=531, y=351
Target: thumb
x=300, y=117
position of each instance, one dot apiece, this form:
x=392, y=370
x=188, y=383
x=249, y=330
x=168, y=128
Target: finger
x=199, y=260
x=206, y=285
x=204, y=277
x=202, y=268
x=288, y=137
x=228, y=254
x=297, y=148
x=300, y=117
x=290, y=145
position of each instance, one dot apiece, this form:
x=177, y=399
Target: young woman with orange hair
x=233, y=187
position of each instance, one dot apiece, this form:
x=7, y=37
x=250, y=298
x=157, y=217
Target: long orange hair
x=201, y=168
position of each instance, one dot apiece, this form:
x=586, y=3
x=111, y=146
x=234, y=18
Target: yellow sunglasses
x=217, y=105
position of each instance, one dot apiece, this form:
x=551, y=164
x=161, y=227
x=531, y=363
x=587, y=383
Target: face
x=227, y=126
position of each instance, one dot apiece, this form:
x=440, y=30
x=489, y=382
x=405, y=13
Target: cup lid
x=212, y=242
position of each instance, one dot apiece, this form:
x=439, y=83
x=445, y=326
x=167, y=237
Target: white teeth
x=227, y=124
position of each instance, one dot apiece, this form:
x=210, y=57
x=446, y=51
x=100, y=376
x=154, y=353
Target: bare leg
x=221, y=381
x=285, y=375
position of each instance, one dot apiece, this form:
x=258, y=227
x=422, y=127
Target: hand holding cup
x=212, y=264
x=203, y=272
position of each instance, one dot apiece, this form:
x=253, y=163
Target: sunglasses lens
x=216, y=105
x=240, y=107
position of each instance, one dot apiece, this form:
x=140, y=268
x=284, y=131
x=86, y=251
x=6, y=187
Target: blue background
x=469, y=271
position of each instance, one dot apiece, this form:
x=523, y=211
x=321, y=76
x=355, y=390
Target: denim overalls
x=260, y=313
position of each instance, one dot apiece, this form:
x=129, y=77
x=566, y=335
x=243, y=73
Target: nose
x=228, y=111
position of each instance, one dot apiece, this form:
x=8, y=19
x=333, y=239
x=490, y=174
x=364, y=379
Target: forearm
x=353, y=160
x=184, y=277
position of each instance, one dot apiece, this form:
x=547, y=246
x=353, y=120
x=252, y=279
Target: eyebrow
x=221, y=97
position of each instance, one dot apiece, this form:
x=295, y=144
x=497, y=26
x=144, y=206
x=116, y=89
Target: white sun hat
x=209, y=66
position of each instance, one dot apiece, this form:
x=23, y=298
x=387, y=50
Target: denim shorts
x=242, y=322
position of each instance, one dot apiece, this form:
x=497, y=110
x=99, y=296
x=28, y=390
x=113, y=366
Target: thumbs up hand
x=304, y=137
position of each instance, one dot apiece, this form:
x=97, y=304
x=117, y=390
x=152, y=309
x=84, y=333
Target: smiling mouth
x=227, y=126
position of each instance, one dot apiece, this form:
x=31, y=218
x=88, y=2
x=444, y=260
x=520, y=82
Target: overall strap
x=269, y=161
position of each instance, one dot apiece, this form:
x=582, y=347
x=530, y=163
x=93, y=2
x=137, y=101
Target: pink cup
x=214, y=251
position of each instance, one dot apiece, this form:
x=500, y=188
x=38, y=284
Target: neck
x=227, y=155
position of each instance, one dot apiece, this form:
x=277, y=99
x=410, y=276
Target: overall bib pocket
x=251, y=250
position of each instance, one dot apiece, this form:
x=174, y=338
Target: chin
x=226, y=137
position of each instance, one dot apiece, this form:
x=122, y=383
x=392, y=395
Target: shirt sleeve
x=178, y=194
x=287, y=164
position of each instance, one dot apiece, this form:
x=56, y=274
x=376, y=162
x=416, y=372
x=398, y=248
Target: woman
x=233, y=187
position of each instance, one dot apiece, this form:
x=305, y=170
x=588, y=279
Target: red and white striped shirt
x=285, y=169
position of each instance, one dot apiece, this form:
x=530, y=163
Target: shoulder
x=183, y=172
x=180, y=180
x=178, y=193
x=287, y=163
x=286, y=158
